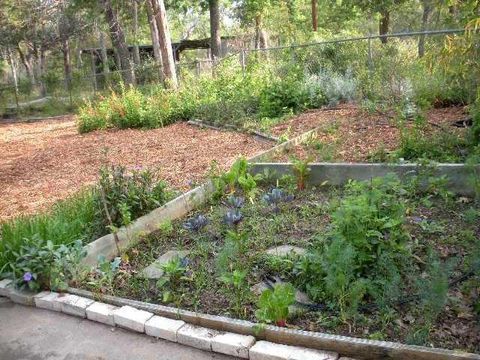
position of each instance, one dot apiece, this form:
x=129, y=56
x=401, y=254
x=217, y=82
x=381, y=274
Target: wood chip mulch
x=43, y=162
x=355, y=134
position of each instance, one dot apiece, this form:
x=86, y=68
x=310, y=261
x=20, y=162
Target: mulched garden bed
x=46, y=161
x=351, y=134
x=439, y=228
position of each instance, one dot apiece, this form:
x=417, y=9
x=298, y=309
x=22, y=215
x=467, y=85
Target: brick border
x=221, y=334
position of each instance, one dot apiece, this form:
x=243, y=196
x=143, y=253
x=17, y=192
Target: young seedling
x=275, y=197
x=195, y=224
x=273, y=304
x=301, y=171
x=233, y=217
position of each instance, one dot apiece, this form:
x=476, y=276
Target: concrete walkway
x=28, y=333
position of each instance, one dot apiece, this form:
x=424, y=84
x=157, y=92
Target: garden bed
x=352, y=134
x=46, y=161
x=433, y=236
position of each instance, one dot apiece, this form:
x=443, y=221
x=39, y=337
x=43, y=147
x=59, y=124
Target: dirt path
x=43, y=162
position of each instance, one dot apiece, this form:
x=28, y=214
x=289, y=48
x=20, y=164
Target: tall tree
x=427, y=6
x=215, y=39
x=314, y=15
x=119, y=43
x=136, y=49
x=157, y=55
x=381, y=7
x=160, y=15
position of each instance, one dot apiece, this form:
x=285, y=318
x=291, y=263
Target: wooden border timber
x=337, y=174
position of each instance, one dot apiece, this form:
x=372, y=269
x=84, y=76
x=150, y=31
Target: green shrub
x=41, y=265
x=127, y=196
x=92, y=117
x=283, y=95
x=440, y=146
x=367, y=233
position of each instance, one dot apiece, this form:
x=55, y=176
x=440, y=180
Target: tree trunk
x=103, y=53
x=67, y=67
x=157, y=55
x=13, y=67
x=427, y=9
x=136, y=50
x=42, y=65
x=260, y=36
x=215, y=40
x=384, y=25
x=314, y=16
x=160, y=15
x=119, y=42
x=27, y=64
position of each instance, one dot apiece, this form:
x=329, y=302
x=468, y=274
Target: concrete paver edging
x=225, y=335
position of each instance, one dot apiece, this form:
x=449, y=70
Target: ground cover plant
x=384, y=259
x=37, y=250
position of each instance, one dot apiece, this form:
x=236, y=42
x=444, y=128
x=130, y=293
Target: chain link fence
x=389, y=65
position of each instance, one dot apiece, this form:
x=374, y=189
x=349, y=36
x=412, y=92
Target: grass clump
x=119, y=198
x=75, y=218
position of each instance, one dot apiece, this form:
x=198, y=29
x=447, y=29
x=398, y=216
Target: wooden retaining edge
x=128, y=236
x=227, y=127
x=284, y=146
x=458, y=175
x=344, y=345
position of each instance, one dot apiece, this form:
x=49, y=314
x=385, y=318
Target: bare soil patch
x=43, y=162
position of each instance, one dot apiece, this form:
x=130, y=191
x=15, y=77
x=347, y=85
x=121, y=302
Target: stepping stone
x=154, y=270
x=285, y=250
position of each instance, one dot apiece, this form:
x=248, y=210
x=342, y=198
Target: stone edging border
x=221, y=334
x=171, y=329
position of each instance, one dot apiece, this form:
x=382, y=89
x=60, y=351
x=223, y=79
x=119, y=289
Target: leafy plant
x=195, y=224
x=42, y=265
x=273, y=304
x=233, y=217
x=128, y=196
x=173, y=273
x=235, y=202
x=236, y=284
x=233, y=252
x=104, y=275
x=249, y=186
x=301, y=171
x=275, y=197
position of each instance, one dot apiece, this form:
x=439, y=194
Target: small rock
x=285, y=250
x=154, y=270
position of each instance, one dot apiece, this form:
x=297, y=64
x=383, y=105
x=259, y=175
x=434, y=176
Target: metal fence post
x=370, y=59
x=242, y=62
